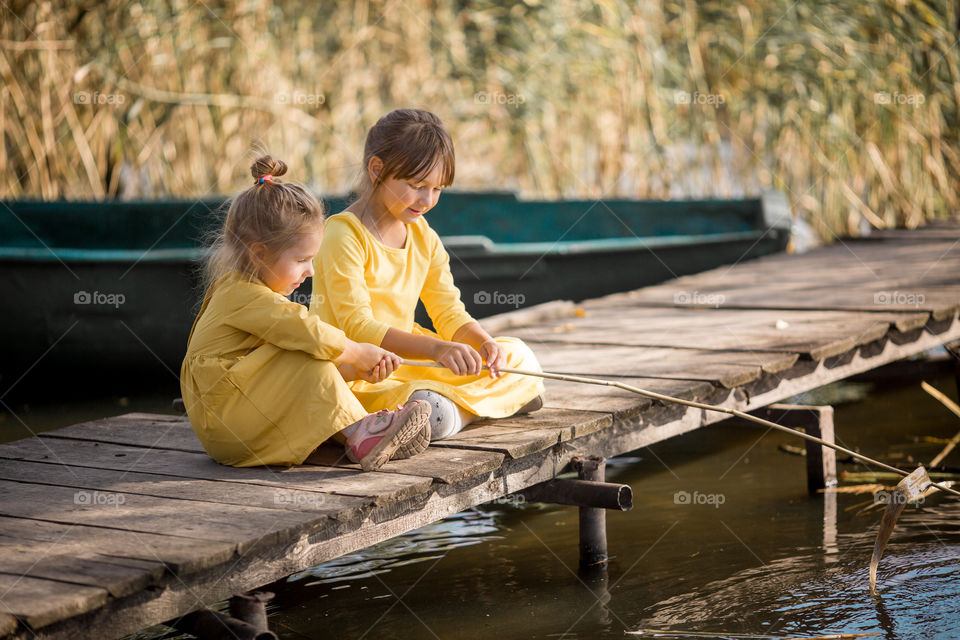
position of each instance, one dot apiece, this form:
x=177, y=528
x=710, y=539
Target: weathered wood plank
x=879, y=296
x=181, y=555
x=247, y=527
x=183, y=464
x=785, y=322
x=521, y=436
x=515, y=443
x=160, y=486
x=729, y=369
x=571, y=423
x=433, y=463
x=623, y=405
x=64, y=564
x=136, y=429
x=813, y=334
x=39, y=602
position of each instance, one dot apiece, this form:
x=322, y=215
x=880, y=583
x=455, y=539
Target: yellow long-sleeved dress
x=365, y=287
x=258, y=381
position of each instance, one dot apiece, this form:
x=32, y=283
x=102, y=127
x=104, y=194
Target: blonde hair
x=272, y=212
x=410, y=143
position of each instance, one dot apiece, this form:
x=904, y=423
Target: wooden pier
x=110, y=526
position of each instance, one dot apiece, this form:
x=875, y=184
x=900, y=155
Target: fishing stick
x=691, y=403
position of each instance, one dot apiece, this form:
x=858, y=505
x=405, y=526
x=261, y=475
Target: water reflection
x=814, y=594
x=426, y=543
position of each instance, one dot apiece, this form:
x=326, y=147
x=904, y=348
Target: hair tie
x=263, y=178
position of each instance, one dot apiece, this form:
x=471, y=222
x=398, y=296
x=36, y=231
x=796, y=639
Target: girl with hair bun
x=263, y=381
x=380, y=256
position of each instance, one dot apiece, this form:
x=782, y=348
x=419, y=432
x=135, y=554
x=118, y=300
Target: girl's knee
x=445, y=417
x=519, y=355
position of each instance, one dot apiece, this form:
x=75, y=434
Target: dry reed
x=850, y=107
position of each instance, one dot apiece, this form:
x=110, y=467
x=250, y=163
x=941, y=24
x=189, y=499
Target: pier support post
x=816, y=421
x=252, y=609
x=247, y=620
x=593, y=521
x=953, y=349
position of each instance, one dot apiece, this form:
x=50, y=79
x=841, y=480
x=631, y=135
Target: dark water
x=749, y=553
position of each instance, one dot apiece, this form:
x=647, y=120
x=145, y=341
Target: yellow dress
x=365, y=287
x=258, y=381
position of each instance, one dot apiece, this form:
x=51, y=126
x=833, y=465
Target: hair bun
x=267, y=165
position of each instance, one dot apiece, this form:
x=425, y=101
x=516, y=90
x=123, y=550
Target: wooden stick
x=690, y=403
x=949, y=404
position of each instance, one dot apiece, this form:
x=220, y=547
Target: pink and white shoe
x=380, y=435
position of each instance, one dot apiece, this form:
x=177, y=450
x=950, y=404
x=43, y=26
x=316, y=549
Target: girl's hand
x=461, y=359
x=367, y=357
x=381, y=372
x=494, y=356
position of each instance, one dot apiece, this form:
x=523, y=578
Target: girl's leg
x=446, y=416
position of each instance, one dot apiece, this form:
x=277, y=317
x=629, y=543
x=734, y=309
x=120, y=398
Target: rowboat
x=115, y=284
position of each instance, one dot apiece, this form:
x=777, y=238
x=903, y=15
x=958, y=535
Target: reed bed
x=850, y=107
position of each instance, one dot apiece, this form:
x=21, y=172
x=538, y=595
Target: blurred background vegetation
x=849, y=106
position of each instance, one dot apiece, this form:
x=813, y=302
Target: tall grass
x=850, y=107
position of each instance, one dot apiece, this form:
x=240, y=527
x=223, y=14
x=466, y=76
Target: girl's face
x=287, y=270
x=406, y=199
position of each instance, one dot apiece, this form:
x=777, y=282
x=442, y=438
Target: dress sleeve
x=342, y=263
x=440, y=296
x=289, y=325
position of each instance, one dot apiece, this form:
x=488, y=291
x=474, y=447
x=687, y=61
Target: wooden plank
x=623, y=405
x=525, y=435
x=39, y=602
x=941, y=303
x=436, y=464
x=159, y=486
x=698, y=319
x=183, y=464
x=927, y=265
x=519, y=436
x=141, y=430
x=246, y=527
x=515, y=443
x=729, y=369
x=181, y=555
x=844, y=276
x=136, y=429
x=718, y=339
x=813, y=335
x=572, y=423
x=120, y=578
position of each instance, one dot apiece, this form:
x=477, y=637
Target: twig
x=949, y=404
